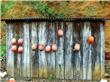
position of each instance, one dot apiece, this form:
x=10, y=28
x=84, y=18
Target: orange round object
x=60, y=32
x=90, y=40
x=11, y=80
x=13, y=41
x=41, y=47
x=54, y=47
x=20, y=41
x=47, y=48
x=20, y=49
x=14, y=48
x=34, y=47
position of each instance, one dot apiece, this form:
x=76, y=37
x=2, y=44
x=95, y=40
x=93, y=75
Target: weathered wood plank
x=76, y=56
x=68, y=50
x=102, y=45
x=19, y=55
x=10, y=54
x=42, y=56
x=34, y=54
x=60, y=55
x=51, y=55
x=85, y=51
x=26, y=55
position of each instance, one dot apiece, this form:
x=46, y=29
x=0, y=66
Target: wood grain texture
x=26, y=55
x=34, y=54
x=68, y=51
x=10, y=54
x=42, y=31
x=60, y=55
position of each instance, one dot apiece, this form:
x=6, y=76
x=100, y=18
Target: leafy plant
x=2, y=50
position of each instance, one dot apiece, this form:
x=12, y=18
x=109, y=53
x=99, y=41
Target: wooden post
x=10, y=54
x=87, y=66
x=60, y=55
x=42, y=56
x=26, y=55
x=68, y=50
x=34, y=54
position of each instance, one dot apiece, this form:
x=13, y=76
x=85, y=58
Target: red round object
x=11, y=80
x=20, y=41
x=13, y=41
x=107, y=55
x=34, y=47
x=54, y=47
x=60, y=32
x=90, y=40
x=41, y=47
x=14, y=48
x=47, y=48
x=20, y=49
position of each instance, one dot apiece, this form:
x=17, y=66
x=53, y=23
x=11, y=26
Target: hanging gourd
x=41, y=47
x=13, y=41
x=90, y=40
x=11, y=80
x=20, y=49
x=60, y=32
x=47, y=48
x=20, y=41
x=34, y=47
x=77, y=47
x=14, y=48
x=54, y=47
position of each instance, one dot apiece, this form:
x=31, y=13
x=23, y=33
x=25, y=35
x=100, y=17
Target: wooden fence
x=86, y=64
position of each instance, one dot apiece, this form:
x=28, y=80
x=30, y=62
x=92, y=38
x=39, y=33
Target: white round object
x=77, y=47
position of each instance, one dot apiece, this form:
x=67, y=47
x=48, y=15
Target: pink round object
x=47, y=48
x=13, y=41
x=60, y=32
x=34, y=47
x=14, y=48
x=77, y=47
x=20, y=49
x=11, y=80
x=41, y=47
x=54, y=47
x=20, y=41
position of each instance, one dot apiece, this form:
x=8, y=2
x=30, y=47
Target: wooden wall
x=87, y=64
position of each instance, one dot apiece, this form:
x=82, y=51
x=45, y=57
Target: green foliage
x=45, y=10
x=90, y=11
x=6, y=6
x=2, y=50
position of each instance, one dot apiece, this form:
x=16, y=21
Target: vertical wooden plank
x=51, y=55
x=34, y=54
x=60, y=56
x=26, y=54
x=86, y=52
x=68, y=50
x=10, y=54
x=96, y=55
x=76, y=56
x=102, y=45
x=42, y=56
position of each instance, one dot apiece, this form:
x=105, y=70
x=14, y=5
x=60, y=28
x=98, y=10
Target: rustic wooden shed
x=64, y=63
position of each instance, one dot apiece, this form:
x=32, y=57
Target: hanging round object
x=54, y=47
x=14, y=48
x=90, y=40
x=41, y=47
x=60, y=32
x=34, y=47
x=20, y=41
x=20, y=49
x=13, y=41
x=47, y=48
x=77, y=47
x=11, y=80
